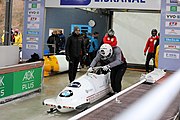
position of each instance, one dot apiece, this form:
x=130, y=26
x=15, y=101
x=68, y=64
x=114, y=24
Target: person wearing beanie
x=74, y=49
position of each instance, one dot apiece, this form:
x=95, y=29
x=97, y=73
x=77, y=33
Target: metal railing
x=152, y=105
x=54, y=46
x=84, y=113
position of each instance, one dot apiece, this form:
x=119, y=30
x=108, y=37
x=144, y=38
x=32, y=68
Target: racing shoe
x=110, y=94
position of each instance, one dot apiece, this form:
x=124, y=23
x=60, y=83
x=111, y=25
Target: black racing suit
x=74, y=48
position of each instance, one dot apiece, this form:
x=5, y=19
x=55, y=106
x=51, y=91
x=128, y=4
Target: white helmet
x=106, y=51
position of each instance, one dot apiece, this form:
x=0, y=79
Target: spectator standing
x=73, y=49
x=17, y=38
x=93, y=46
x=53, y=43
x=85, y=58
x=2, y=38
x=62, y=39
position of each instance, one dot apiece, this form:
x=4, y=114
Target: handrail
x=53, y=45
x=80, y=115
x=153, y=104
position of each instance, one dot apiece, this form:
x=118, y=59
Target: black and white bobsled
x=80, y=93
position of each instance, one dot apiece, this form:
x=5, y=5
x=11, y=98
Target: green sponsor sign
x=27, y=80
x=6, y=85
x=173, y=8
x=34, y=5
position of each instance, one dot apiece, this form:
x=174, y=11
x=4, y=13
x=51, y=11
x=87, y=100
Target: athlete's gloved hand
x=90, y=69
x=106, y=67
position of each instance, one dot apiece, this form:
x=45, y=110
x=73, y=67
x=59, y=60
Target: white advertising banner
x=118, y=4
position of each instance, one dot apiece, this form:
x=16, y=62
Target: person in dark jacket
x=85, y=59
x=54, y=43
x=74, y=48
x=62, y=39
x=93, y=46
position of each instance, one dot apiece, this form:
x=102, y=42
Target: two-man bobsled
x=80, y=93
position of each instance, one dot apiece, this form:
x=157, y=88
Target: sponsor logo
x=172, y=16
x=32, y=46
x=33, y=12
x=32, y=39
x=74, y=2
x=172, y=24
x=127, y=1
x=28, y=80
x=173, y=8
x=172, y=32
x=33, y=26
x=34, y=5
x=2, y=91
x=89, y=90
x=171, y=55
x=34, y=0
x=172, y=47
x=33, y=19
x=31, y=32
x=1, y=81
x=28, y=75
x=173, y=1
x=172, y=40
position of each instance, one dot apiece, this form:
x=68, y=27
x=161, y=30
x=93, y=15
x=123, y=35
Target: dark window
x=74, y=84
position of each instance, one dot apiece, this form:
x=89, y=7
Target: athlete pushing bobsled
x=80, y=93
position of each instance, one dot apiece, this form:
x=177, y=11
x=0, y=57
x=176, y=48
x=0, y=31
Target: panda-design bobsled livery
x=80, y=93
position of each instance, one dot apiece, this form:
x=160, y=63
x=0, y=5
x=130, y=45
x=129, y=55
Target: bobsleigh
x=153, y=76
x=80, y=93
x=55, y=63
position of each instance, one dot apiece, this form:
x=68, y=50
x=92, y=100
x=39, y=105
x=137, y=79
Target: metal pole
x=8, y=21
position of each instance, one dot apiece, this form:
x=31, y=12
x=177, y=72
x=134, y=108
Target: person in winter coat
x=53, y=43
x=93, y=46
x=62, y=39
x=74, y=49
x=18, y=39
